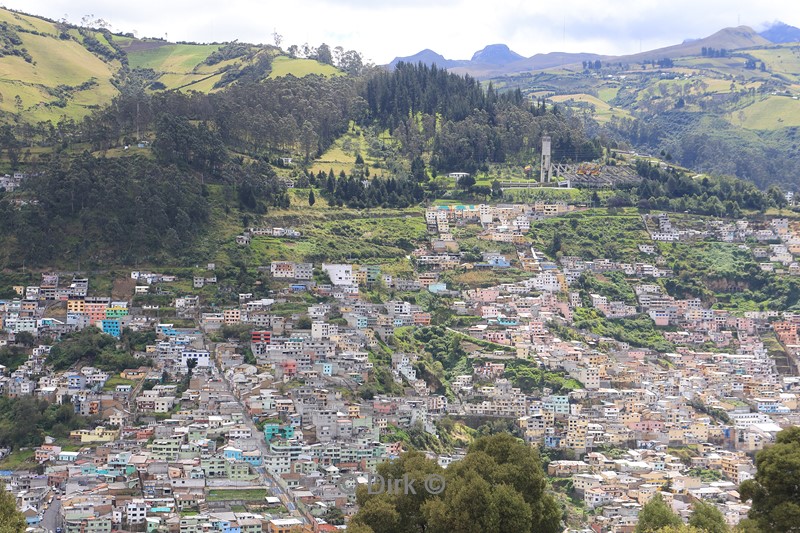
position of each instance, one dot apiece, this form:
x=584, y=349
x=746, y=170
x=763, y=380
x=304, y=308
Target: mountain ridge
x=779, y=32
x=499, y=60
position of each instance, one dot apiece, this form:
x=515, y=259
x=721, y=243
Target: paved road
x=51, y=519
x=264, y=475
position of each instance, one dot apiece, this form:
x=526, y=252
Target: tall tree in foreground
x=775, y=489
x=706, y=517
x=656, y=515
x=11, y=520
x=499, y=486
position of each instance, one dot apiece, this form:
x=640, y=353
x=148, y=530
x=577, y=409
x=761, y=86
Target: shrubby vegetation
x=228, y=51
x=529, y=377
x=11, y=44
x=614, y=286
x=711, y=144
x=92, y=348
x=637, y=331
x=674, y=190
x=25, y=421
x=11, y=519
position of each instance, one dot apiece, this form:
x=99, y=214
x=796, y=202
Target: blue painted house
x=272, y=430
x=231, y=453
x=111, y=326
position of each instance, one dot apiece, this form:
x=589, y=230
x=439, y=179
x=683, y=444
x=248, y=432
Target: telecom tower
x=547, y=165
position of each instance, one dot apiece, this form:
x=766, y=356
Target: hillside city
x=276, y=288
x=251, y=419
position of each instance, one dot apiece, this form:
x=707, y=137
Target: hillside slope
x=727, y=39
x=50, y=70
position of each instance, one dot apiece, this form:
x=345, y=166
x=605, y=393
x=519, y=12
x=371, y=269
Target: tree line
x=464, y=127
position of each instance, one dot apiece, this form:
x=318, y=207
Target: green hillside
x=727, y=111
x=50, y=70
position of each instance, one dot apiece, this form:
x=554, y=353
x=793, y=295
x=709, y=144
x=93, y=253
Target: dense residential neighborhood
x=266, y=415
x=273, y=287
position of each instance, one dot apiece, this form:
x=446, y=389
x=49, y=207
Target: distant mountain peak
x=779, y=32
x=427, y=57
x=496, y=54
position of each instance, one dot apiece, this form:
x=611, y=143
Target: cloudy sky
x=383, y=29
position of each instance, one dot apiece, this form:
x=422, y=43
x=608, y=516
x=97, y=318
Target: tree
x=777, y=196
x=497, y=190
x=775, y=489
x=499, y=486
x=466, y=182
x=190, y=365
x=418, y=172
x=334, y=516
x=707, y=517
x=351, y=62
x=324, y=54
x=555, y=246
x=311, y=199
x=25, y=338
x=11, y=520
x=656, y=515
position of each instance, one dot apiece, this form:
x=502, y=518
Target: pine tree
x=311, y=199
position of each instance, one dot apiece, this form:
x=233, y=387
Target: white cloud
x=382, y=29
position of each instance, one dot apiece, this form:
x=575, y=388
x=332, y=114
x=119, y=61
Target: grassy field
x=167, y=57
x=772, y=113
x=328, y=234
x=203, y=84
x=472, y=279
x=283, y=66
x=783, y=59
x=113, y=381
x=55, y=63
x=223, y=495
x=26, y=22
x=713, y=259
x=601, y=110
x=341, y=156
x=19, y=460
x=366, y=237
x=607, y=93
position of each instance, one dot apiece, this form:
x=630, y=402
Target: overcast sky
x=383, y=29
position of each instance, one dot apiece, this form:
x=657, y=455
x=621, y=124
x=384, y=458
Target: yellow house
x=76, y=305
x=98, y=434
x=676, y=435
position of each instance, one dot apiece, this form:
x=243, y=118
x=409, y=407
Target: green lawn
x=113, y=381
x=222, y=495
